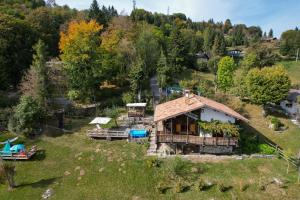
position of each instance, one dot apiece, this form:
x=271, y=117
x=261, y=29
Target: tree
x=35, y=82
x=28, y=115
x=268, y=85
x=113, y=113
x=226, y=68
x=270, y=34
x=17, y=39
x=219, y=47
x=136, y=76
x=163, y=71
x=177, y=51
x=290, y=42
x=227, y=26
x=147, y=49
x=95, y=13
x=81, y=55
x=208, y=36
x=250, y=61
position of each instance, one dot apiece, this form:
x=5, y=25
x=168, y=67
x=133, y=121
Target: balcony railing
x=192, y=139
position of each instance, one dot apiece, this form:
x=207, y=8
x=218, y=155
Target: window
x=289, y=105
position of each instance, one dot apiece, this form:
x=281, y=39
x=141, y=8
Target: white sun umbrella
x=100, y=121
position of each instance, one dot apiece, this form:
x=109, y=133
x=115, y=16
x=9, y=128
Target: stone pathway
x=153, y=146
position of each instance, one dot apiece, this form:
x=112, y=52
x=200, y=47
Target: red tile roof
x=187, y=104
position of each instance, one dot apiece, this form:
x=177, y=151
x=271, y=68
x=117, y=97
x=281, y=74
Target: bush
x=153, y=162
x=275, y=122
x=266, y=149
x=178, y=167
x=243, y=186
x=128, y=97
x=201, y=185
x=179, y=186
x=28, y=115
x=161, y=187
x=223, y=188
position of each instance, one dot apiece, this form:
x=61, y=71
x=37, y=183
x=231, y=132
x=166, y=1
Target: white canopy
x=101, y=120
x=136, y=104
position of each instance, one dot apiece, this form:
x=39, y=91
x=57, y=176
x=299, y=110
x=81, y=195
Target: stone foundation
x=216, y=149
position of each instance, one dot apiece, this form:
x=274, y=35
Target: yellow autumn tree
x=81, y=55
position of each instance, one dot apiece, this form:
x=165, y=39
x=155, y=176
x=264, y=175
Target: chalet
x=291, y=104
x=177, y=125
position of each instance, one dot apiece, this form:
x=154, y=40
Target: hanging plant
x=217, y=127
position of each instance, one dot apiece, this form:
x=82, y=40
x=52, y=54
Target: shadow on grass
x=41, y=183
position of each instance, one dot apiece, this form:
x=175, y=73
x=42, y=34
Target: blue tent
x=17, y=148
x=6, y=148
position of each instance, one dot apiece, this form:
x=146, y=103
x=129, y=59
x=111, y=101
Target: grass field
x=293, y=69
x=76, y=167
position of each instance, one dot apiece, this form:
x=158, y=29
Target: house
x=235, y=53
x=290, y=104
x=177, y=125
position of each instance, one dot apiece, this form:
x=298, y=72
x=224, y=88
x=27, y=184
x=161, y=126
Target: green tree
x=208, y=36
x=28, y=115
x=16, y=39
x=35, y=83
x=136, y=76
x=268, y=85
x=227, y=26
x=219, y=47
x=163, y=71
x=147, y=49
x=290, y=42
x=96, y=13
x=177, y=51
x=113, y=113
x=225, y=74
x=250, y=61
x=270, y=34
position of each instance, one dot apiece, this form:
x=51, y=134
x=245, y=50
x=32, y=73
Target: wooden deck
x=197, y=140
x=27, y=156
x=108, y=134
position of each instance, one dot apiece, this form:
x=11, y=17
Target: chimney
x=187, y=93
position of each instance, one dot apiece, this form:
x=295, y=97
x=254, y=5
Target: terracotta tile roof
x=183, y=105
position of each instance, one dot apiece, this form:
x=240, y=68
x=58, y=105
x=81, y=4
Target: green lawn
x=119, y=170
x=293, y=69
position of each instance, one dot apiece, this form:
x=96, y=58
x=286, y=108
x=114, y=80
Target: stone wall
x=216, y=149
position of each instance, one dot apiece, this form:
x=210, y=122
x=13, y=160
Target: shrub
x=201, y=185
x=161, y=187
x=128, y=97
x=223, y=188
x=28, y=115
x=153, y=162
x=266, y=149
x=178, y=167
x=243, y=186
x=179, y=186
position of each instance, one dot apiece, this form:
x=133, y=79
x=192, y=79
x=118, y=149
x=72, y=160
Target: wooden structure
x=108, y=134
x=177, y=125
x=136, y=109
x=20, y=156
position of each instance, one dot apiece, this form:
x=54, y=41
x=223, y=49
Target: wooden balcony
x=197, y=140
x=136, y=113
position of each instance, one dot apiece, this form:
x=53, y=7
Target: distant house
x=177, y=125
x=269, y=39
x=290, y=104
x=235, y=53
x=202, y=56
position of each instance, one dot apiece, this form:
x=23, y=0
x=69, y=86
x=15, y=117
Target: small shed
x=136, y=109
